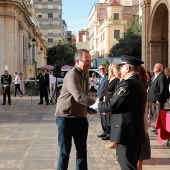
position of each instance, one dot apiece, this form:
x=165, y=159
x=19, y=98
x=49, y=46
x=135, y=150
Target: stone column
x=145, y=5
x=2, y=43
x=20, y=46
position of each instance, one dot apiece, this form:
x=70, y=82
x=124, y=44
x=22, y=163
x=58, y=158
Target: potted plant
x=33, y=89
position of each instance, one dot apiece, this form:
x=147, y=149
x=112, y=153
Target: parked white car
x=64, y=71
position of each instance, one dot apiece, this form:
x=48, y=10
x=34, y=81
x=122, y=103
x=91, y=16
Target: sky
x=76, y=13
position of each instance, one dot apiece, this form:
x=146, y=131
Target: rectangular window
x=116, y=16
x=116, y=33
x=59, y=7
x=59, y=15
x=50, y=0
x=50, y=23
x=39, y=15
x=50, y=15
x=50, y=40
x=50, y=32
x=103, y=35
x=59, y=24
x=50, y=6
x=39, y=6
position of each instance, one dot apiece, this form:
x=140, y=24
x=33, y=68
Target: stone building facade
x=71, y=38
x=49, y=14
x=108, y=21
x=155, y=32
x=21, y=40
x=82, y=39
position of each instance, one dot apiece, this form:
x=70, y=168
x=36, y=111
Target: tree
x=61, y=53
x=130, y=43
x=106, y=62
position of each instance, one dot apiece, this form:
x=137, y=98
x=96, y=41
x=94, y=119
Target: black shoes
x=4, y=103
x=106, y=138
x=154, y=130
x=42, y=103
x=101, y=136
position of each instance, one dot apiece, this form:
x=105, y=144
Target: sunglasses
x=101, y=68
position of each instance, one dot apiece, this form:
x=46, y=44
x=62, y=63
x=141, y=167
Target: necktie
x=152, y=79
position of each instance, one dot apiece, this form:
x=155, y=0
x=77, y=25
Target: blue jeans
x=78, y=129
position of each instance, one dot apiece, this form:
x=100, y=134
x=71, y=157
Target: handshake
x=91, y=110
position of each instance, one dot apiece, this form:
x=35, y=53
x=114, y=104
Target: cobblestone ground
x=28, y=140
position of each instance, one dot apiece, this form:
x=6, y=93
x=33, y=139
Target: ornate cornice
x=24, y=9
x=145, y=3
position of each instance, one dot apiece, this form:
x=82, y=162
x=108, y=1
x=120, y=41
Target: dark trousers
x=127, y=156
x=44, y=93
x=105, y=127
x=78, y=129
x=6, y=91
x=17, y=87
x=156, y=108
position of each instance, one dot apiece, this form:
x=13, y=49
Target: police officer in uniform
x=43, y=86
x=6, y=81
x=128, y=106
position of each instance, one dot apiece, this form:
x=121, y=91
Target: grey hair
x=134, y=68
x=78, y=54
x=167, y=69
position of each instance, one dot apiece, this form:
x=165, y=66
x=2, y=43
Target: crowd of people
x=116, y=96
x=128, y=97
x=46, y=85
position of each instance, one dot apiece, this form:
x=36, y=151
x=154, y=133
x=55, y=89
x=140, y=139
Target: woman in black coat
x=110, y=86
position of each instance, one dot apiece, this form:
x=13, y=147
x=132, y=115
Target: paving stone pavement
x=28, y=140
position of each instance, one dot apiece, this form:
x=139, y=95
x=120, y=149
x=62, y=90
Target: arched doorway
x=159, y=36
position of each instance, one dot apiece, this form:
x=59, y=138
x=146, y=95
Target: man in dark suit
x=43, y=86
x=100, y=93
x=158, y=90
x=167, y=74
x=128, y=107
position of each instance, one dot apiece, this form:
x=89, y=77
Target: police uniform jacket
x=127, y=107
x=43, y=81
x=6, y=79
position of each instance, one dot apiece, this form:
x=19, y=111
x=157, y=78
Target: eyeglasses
x=101, y=68
x=86, y=61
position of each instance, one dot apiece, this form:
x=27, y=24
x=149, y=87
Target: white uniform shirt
x=17, y=79
x=52, y=79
